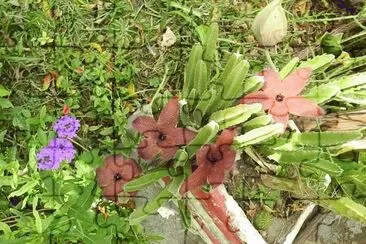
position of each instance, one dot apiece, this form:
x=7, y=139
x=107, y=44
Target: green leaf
x=204, y=105
x=175, y=185
x=192, y=98
x=201, y=76
x=354, y=96
x=326, y=166
x=285, y=71
x=142, y=212
x=204, y=136
x=195, y=55
x=322, y=93
x=6, y=229
x=298, y=156
x=185, y=213
x=211, y=40
x=5, y=103
x=3, y=91
x=2, y=135
x=318, y=62
x=346, y=207
x=36, y=215
x=26, y=188
x=253, y=83
x=235, y=115
x=258, y=135
x=181, y=158
x=257, y=122
x=345, y=82
x=328, y=138
x=107, y=131
x=145, y=180
x=332, y=43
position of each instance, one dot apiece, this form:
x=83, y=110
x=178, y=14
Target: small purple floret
x=66, y=126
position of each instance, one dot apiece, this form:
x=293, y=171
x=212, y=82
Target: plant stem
x=162, y=84
x=326, y=19
x=269, y=59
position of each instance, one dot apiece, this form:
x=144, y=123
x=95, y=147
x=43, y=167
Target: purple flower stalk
x=66, y=126
x=57, y=150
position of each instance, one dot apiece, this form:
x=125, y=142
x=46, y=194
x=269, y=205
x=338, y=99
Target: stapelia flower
x=58, y=150
x=67, y=126
x=162, y=136
x=116, y=172
x=282, y=97
x=213, y=161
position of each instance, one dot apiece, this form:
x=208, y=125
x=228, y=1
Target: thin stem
x=269, y=59
x=326, y=19
x=75, y=142
x=162, y=84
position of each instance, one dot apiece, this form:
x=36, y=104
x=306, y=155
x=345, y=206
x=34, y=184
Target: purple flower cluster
x=66, y=126
x=59, y=149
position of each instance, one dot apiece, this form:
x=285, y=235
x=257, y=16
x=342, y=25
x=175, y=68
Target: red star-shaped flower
x=116, y=172
x=213, y=161
x=281, y=97
x=162, y=136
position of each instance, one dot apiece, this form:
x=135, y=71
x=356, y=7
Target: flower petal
x=272, y=82
x=279, y=113
x=195, y=180
x=301, y=106
x=294, y=83
x=170, y=114
x=105, y=176
x=258, y=97
x=144, y=123
x=201, y=156
x=110, y=192
x=148, y=149
x=174, y=137
x=226, y=137
x=168, y=153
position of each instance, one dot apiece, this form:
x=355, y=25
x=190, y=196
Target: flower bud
x=270, y=24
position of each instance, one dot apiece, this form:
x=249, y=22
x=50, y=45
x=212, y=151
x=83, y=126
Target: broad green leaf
x=285, y=71
x=195, y=55
x=204, y=136
x=192, y=98
x=145, y=180
x=346, y=207
x=257, y=122
x=211, y=40
x=107, y=131
x=6, y=230
x=185, y=213
x=175, y=186
x=326, y=166
x=322, y=93
x=4, y=92
x=331, y=43
x=5, y=103
x=345, y=82
x=318, y=62
x=328, y=138
x=258, y=135
x=350, y=146
x=295, y=156
x=235, y=115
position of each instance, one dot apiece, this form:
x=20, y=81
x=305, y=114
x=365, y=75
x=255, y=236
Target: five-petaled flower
x=282, y=97
x=162, y=136
x=116, y=172
x=213, y=161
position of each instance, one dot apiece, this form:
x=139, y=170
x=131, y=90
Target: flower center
x=214, y=157
x=118, y=176
x=162, y=137
x=279, y=98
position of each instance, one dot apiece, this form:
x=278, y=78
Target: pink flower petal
x=272, y=82
x=195, y=180
x=226, y=137
x=281, y=119
x=258, y=97
x=170, y=114
x=278, y=109
x=294, y=83
x=301, y=106
x=201, y=155
x=148, y=149
x=174, y=137
x=168, y=153
x=144, y=123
